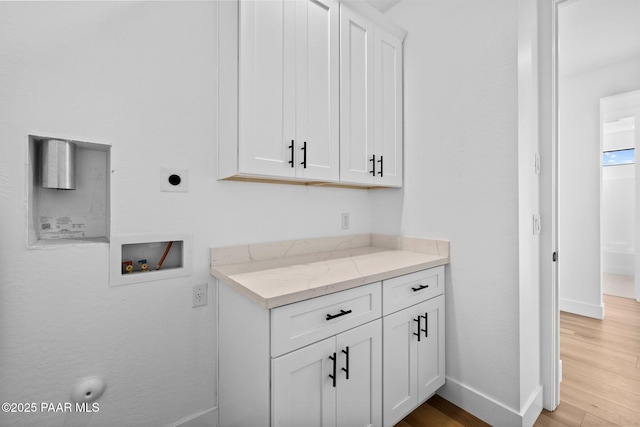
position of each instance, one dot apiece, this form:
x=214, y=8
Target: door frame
x=547, y=78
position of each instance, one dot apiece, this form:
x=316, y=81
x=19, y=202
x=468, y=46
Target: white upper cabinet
x=288, y=90
x=317, y=89
x=387, y=98
x=371, y=138
x=266, y=91
x=356, y=109
x=309, y=90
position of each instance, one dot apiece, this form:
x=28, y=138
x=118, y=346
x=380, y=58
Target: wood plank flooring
x=601, y=368
x=601, y=375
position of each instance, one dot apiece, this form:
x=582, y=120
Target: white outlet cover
x=167, y=186
x=345, y=221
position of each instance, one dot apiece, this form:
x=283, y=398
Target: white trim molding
x=581, y=308
x=489, y=410
x=208, y=418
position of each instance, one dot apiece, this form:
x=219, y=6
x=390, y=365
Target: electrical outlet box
x=200, y=295
x=345, y=221
x=174, y=180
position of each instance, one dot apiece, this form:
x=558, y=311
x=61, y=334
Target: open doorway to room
x=620, y=220
x=598, y=57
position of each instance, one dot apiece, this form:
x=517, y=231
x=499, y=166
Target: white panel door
x=359, y=387
x=400, y=394
x=266, y=87
x=431, y=366
x=388, y=108
x=302, y=394
x=317, y=140
x=356, y=97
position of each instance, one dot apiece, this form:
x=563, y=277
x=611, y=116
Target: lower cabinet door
x=302, y=393
x=400, y=394
x=359, y=386
x=431, y=374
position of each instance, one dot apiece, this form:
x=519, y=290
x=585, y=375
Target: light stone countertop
x=275, y=274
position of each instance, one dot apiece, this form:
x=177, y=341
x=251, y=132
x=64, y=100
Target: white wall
x=139, y=76
x=462, y=185
x=580, y=157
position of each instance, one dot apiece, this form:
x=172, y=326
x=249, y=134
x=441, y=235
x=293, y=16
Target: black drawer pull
x=346, y=368
x=333, y=377
x=291, y=148
x=419, y=288
x=373, y=161
x=381, y=161
x=304, y=154
x=426, y=324
x=342, y=313
x=418, y=334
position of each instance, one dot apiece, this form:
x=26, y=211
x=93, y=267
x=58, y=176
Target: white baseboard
x=532, y=408
x=614, y=269
x=208, y=418
x=490, y=410
x=581, y=308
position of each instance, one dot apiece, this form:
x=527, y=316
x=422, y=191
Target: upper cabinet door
x=266, y=88
x=371, y=137
x=317, y=89
x=388, y=108
x=356, y=97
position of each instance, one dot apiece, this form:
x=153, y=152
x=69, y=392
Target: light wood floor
x=601, y=375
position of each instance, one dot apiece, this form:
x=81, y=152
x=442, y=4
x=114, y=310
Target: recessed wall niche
x=149, y=257
x=69, y=187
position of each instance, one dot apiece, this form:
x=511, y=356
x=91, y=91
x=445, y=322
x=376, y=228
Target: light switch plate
x=537, y=227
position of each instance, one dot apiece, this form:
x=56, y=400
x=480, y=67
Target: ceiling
x=383, y=5
x=594, y=33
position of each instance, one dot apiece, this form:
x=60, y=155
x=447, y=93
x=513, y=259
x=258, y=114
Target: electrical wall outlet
x=174, y=180
x=345, y=221
x=200, y=295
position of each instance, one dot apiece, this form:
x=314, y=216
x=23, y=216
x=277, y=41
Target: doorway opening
x=620, y=219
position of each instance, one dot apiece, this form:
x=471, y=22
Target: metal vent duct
x=58, y=164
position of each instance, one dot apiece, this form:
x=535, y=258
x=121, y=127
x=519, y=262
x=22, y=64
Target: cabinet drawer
x=404, y=291
x=296, y=325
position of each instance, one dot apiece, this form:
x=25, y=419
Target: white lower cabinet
x=333, y=360
x=334, y=382
x=413, y=353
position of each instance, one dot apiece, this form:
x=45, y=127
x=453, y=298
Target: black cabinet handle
x=304, y=154
x=417, y=334
x=291, y=148
x=381, y=161
x=346, y=368
x=373, y=161
x=426, y=325
x=333, y=377
x=342, y=313
x=419, y=288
